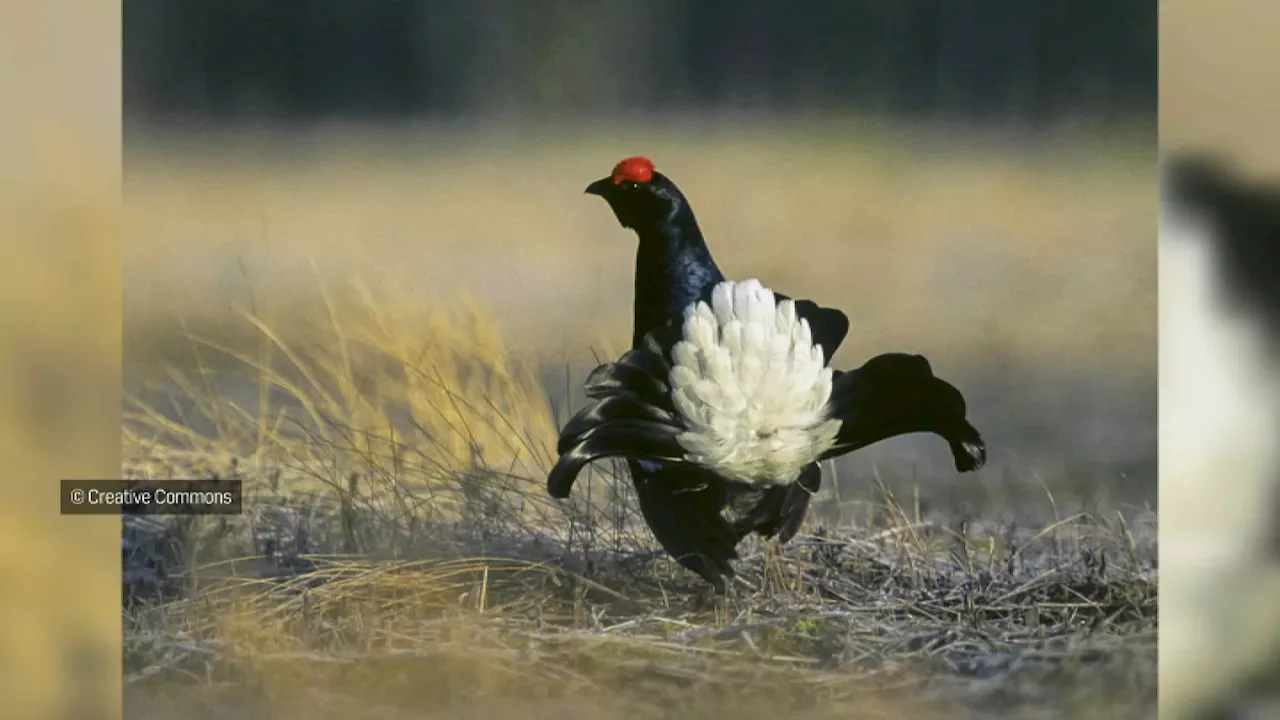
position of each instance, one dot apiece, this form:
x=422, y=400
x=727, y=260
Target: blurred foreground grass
x=59, y=418
x=60, y=328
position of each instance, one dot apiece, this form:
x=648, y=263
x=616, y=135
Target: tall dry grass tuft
x=408, y=408
x=373, y=424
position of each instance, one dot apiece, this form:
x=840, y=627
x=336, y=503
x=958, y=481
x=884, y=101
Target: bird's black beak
x=600, y=187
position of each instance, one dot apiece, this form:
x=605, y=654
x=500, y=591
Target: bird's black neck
x=674, y=268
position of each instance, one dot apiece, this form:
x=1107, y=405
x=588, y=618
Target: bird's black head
x=641, y=197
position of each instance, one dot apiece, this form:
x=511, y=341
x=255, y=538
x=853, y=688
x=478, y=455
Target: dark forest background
x=454, y=59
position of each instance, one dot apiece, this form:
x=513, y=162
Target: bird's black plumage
x=1246, y=216
x=633, y=416
x=896, y=394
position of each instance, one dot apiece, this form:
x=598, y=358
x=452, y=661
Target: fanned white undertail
x=751, y=386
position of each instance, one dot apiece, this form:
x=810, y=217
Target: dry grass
x=408, y=400
x=843, y=621
x=400, y=558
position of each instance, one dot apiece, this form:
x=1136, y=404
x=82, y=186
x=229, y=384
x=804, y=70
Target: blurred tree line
x=471, y=59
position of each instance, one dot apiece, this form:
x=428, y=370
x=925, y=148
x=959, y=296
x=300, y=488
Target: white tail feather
x=751, y=386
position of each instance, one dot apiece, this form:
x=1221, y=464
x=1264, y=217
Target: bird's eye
x=629, y=184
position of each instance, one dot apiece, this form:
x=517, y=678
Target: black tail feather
x=780, y=509
x=660, y=340
x=632, y=416
x=642, y=372
x=796, y=503
x=621, y=406
x=651, y=362
x=635, y=439
x=898, y=394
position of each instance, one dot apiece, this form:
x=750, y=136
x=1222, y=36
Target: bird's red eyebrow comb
x=636, y=169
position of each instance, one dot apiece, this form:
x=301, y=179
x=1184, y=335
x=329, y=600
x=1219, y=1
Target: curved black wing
x=632, y=416
x=897, y=394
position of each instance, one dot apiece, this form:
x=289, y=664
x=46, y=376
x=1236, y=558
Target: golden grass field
x=379, y=333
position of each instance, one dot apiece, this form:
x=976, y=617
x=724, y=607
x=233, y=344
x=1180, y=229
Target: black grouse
x=725, y=403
